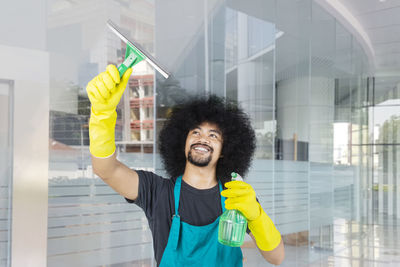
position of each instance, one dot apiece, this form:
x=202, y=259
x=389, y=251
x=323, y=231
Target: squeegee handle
x=122, y=68
x=128, y=62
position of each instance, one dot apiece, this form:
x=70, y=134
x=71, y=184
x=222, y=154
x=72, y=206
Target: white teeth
x=201, y=149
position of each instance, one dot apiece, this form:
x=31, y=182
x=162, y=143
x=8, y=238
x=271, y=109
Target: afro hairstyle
x=239, y=140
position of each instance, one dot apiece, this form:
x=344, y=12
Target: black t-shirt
x=156, y=198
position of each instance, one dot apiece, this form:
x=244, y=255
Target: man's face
x=204, y=144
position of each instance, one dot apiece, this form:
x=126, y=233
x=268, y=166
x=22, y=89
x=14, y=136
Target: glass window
x=88, y=223
x=328, y=136
x=386, y=136
x=297, y=73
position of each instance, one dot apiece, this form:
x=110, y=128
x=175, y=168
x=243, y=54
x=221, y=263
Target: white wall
x=30, y=152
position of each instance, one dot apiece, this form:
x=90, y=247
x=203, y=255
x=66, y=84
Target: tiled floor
x=354, y=244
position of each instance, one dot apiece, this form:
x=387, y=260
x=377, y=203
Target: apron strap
x=176, y=219
x=177, y=193
x=222, y=197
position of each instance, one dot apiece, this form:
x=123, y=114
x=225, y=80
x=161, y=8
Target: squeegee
x=135, y=53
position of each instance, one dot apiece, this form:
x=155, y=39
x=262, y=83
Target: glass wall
x=88, y=223
x=294, y=69
x=385, y=122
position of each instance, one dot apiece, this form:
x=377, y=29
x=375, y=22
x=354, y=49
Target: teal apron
x=190, y=245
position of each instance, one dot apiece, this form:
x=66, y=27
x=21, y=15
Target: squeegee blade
x=149, y=58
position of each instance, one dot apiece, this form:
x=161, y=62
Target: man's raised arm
x=104, y=92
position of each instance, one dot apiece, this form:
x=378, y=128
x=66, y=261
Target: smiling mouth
x=201, y=148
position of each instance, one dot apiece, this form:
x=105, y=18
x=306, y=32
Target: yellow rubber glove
x=104, y=92
x=242, y=197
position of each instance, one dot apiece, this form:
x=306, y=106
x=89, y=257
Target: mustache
x=211, y=149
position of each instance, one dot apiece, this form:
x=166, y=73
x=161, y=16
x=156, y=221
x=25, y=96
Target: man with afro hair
x=201, y=143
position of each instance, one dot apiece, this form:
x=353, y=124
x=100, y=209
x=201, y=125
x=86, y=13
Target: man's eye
x=213, y=136
x=195, y=132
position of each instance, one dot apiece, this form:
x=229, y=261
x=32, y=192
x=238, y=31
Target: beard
x=198, y=160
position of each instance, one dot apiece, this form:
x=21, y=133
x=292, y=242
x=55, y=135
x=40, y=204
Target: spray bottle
x=232, y=224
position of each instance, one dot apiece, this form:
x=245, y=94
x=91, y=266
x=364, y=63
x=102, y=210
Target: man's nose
x=204, y=138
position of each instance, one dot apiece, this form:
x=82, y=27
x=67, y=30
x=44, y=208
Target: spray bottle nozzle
x=236, y=177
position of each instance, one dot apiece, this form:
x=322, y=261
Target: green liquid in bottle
x=232, y=225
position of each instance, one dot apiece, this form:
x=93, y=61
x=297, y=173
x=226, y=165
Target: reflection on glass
x=386, y=90
x=386, y=158
x=89, y=224
x=294, y=69
x=341, y=143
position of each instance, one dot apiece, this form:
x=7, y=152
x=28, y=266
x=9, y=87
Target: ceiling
x=380, y=19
